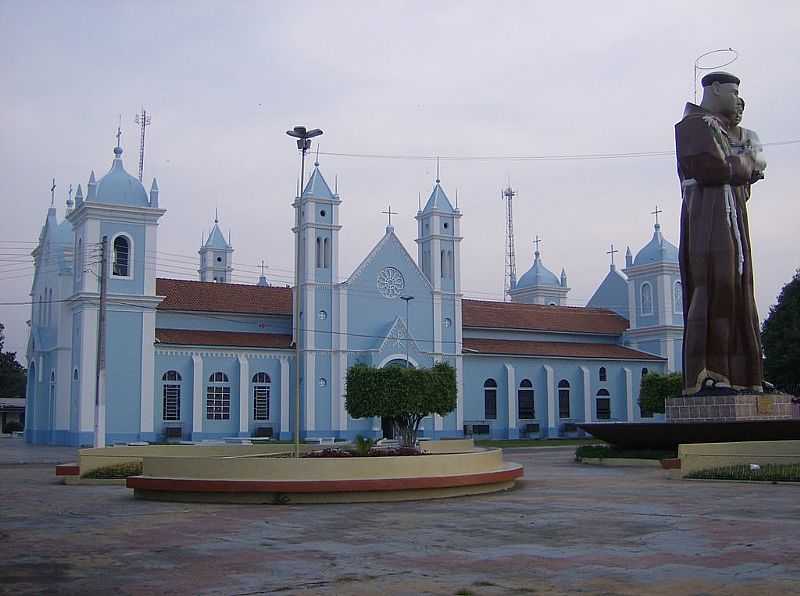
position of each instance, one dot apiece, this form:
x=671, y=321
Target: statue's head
x=721, y=93
x=736, y=118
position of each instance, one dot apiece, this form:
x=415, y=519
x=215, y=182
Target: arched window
x=443, y=263
x=261, y=390
x=525, y=407
x=319, y=253
x=218, y=397
x=171, y=409
x=74, y=374
x=490, y=399
x=603, y=374
x=677, y=298
x=121, y=257
x=326, y=254
x=644, y=372
x=647, y=298
x=603, y=402
x=563, y=398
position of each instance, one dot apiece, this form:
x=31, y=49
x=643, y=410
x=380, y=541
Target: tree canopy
x=13, y=379
x=780, y=339
x=407, y=395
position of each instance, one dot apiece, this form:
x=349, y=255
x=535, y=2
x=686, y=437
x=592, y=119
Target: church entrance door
x=388, y=428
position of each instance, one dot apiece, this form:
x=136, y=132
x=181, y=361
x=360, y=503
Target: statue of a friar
x=717, y=163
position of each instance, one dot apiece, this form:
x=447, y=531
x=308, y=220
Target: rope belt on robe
x=732, y=217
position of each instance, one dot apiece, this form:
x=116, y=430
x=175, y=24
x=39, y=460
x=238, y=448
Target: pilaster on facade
x=511, y=398
x=550, y=388
x=629, y=394
x=587, y=394
x=197, y=393
x=87, y=368
x=310, y=391
x=244, y=395
x=147, y=404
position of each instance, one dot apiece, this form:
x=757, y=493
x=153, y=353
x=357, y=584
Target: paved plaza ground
x=567, y=528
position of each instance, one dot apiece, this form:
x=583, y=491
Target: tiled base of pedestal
x=730, y=408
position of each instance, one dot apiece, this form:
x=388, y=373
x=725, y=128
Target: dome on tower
x=658, y=250
x=538, y=275
x=118, y=187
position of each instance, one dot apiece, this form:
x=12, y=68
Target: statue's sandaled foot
x=713, y=387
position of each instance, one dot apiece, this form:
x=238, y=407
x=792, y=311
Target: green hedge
x=767, y=472
x=656, y=388
x=406, y=395
x=606, y=451
x=115, y=471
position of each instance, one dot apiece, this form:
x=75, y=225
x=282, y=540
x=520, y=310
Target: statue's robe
x=721, y=331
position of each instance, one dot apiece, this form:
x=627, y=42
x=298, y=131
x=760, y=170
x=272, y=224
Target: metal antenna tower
x=143, y=120
x=511, y=260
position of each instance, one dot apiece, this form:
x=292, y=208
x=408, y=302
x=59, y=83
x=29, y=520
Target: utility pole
x=100, y=378
x=303, y=137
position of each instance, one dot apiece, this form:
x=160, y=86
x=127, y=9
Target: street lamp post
x=407, y=299
x=303, y=137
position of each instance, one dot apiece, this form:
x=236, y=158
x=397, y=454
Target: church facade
x=209, y=359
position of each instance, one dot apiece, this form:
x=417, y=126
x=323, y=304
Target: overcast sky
x=225, y=80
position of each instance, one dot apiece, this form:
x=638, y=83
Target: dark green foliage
x=115, y=471
x=768, y=473
x=780, y=339
x=656, y=388
x=13, y=376
x=607, y=451
x=362, y=445
x=405, y=394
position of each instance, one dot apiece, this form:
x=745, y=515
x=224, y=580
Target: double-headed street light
x=303, y=137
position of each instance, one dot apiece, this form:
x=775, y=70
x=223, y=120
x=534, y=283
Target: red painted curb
x=68, y=470
x=319, y=486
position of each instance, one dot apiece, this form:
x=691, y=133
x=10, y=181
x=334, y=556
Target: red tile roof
x=556, y=349
x=187, y=337
x=535, y=317
x=202, y=296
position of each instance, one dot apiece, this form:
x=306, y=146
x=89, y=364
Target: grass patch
x=510, y=443
x=766, y=473
x=115, y=471
x=607, y=451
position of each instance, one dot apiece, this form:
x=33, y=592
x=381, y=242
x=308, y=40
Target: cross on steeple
x=437, y=170
x=536, y=242
x=53, y=193
x=611, y=252
x=119, y=134
x=656, y=212
x=262, y=268
x=389, y=212
x=69, y=193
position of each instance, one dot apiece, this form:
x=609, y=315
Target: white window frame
x=644, y=285
x=130, y=256
x=218, y=394
x=171, y=385
x=675, y=293
x=265, y=387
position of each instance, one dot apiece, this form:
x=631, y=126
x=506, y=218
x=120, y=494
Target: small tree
x=656, y=388
x=780, y=338
x=407, y=395
x=13, y=379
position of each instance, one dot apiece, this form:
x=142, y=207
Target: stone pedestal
x=732, y=408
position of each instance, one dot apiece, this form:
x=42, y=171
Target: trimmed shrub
x=115, y=471
x=407, y=395
x=766, y=472
x=362, y=445
x=328, y=452
x=607, y=452
x=656, y=388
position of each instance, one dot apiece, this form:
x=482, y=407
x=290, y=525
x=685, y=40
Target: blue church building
x=208, y=359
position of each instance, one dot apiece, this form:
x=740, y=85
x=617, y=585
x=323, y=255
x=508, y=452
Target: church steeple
x=216, y=254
